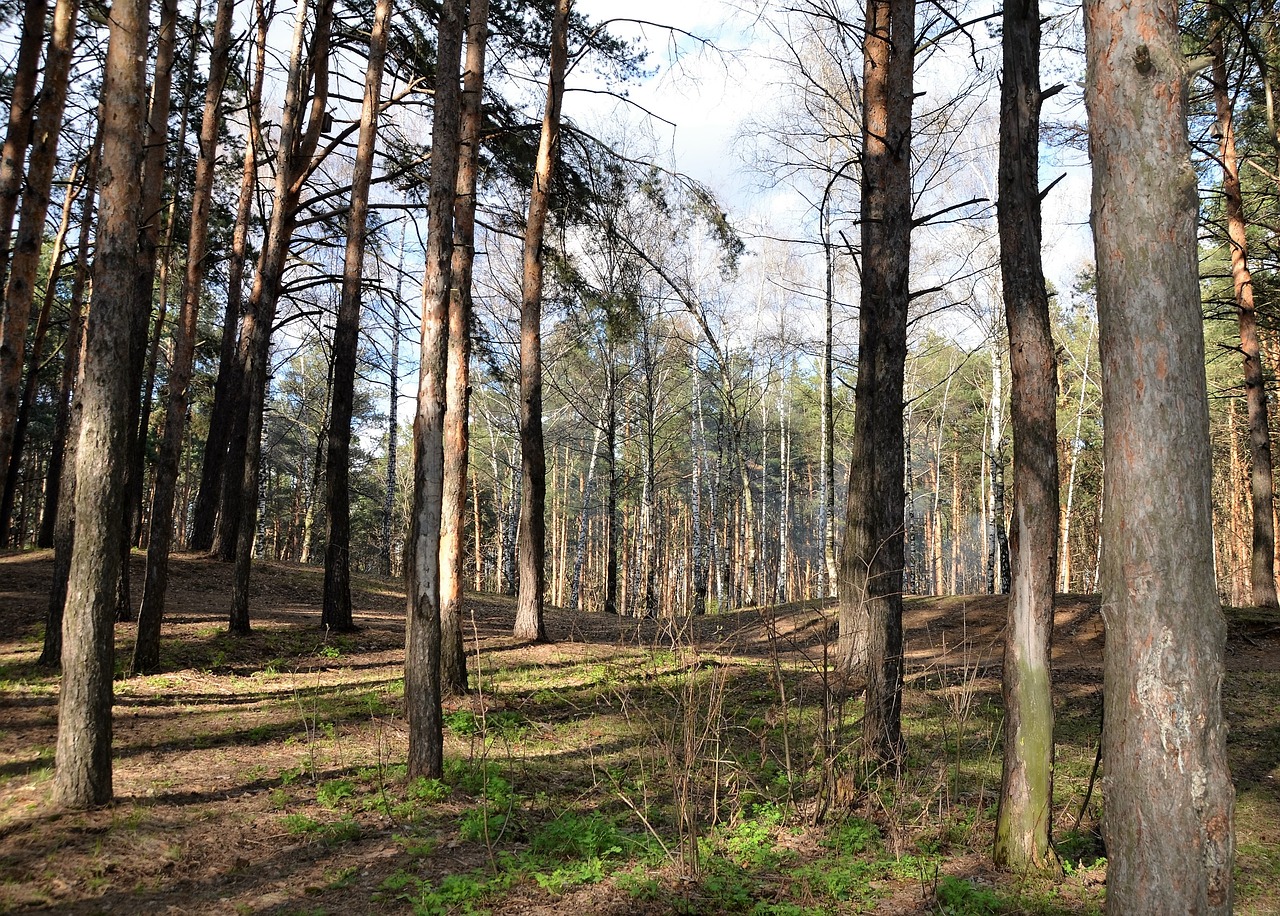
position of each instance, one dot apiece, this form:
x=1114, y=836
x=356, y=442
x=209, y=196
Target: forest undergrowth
x=626, y=767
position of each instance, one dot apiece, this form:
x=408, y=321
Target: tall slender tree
x=453, y=658
x=146, y=653
x=1167, y=797
x=422, y=618
x=26, y=75
x=336, y=611
x=1026, y=797
x=871, y=562
x=532, y=532
x=82, y=775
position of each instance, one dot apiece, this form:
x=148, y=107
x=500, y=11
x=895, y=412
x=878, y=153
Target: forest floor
x=627, y=767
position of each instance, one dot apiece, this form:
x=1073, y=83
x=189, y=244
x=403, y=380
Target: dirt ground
x=213, y=754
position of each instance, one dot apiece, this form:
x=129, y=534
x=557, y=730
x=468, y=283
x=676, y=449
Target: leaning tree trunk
x=533, y=524
x=17, y=138
x=83, y=774
x=20, y=290
x=453, y=656
x=1026, y=795
x=1262, y=564
x=336, y=611
x=146, y=650
x=871, y=563
x=70, y=366
x=1167, y=795
x=422, y=618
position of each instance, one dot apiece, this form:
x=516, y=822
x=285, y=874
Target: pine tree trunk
x=422, y=636
x=1262, y=565
x=83, y=774
x=1023, y=822
x=20, y=289
x=529, y=623
x=70, y=365
x=22, y=94
x=31, y=388
x=336, y=611
x=146, y=650
x=1076, y=447
x=221, y=416
x=1167, y=795
x=453, y=656
x=871, y=564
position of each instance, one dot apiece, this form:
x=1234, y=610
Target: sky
x=710, y=95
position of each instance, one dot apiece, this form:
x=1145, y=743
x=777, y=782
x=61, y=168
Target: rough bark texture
x=1262, y=558
x=453, y=656
x=1167, y=792
x=1026, y=797
x=422, y=619
x=871, y=563
x=83, y=774
x=20, y=290
x=336, y=612
x=533, y=525
x=146, y=652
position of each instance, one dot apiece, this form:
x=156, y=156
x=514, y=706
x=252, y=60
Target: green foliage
x=331, y=793
x=853, y=836
x=957, y=897
x=576, y=836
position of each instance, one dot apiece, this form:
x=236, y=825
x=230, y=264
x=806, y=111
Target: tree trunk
x=31, y=388
x=1262, y=565
x=1167, y=795
x=295, y=151
x=1022, y=841
x=529, y=624
x=610, y=603
x=393, y=404
x=871, y=563
x=155, y=142
x=83, y=774
x=213, y=467
x=17, y=138
x=453, y=655
x=20, y=290
x=146, y=650
x=422, y=636
x=1073, y=461
x=580, y=543
x=336, y=612
x=70, y=366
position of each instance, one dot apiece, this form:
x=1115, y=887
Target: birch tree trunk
x=1167, y=795
x=529, y=624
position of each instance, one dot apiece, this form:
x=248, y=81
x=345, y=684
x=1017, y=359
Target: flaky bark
x=871, y=563
x=146, y=652
x=17, y=137
x=1168, y=797
x=532, y=535
x=83, y=774
x=336, y=611
x=453, y=657
x=422, y=619
x=1026, y=796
